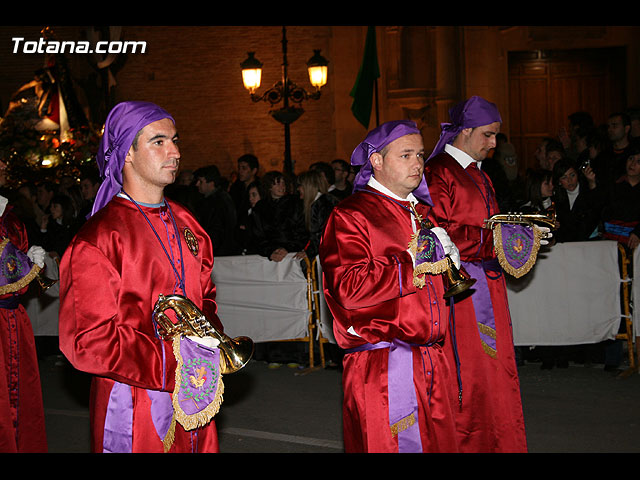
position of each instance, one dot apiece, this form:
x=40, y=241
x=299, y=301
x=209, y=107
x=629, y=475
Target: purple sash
x=483, y=307
x=403, y=403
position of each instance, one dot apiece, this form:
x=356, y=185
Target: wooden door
x=546, y=87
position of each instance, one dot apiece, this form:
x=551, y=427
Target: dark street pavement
x=579, y=409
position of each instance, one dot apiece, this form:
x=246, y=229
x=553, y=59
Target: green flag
x=362, y=91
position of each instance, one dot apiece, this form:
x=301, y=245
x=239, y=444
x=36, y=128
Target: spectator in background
x=578, y=121
x=216, y=211
x=621, y=214
x=327, y=170
x=341, y=187
x=317, y=204
x=634, y=118
x=614, y=158
x=541, y=153
x=281, y=215
x=58, y=228
x=248, y=167
x=554, y=152
x=89, y=185
x=621, y=222
x=251, y=229
x=538, y=192
x=576, y=202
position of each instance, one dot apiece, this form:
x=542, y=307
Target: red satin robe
x=369, y=286
x=110, y=279
x=22, y=422
x=491, y=418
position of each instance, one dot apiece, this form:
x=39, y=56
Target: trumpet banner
x=516, y=247
x=198, y=389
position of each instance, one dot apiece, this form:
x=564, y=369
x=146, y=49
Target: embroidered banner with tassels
x=516, y=247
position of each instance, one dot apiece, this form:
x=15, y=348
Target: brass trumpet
x=530, y=219
x=456, y=281
x=235, y=353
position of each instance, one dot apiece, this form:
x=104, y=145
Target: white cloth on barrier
x=43, y=306
x=264, y=300
x=570, y=297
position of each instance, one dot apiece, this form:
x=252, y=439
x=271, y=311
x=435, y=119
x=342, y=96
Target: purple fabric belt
x=481, y=299
x=118, y=427
x=403, y=403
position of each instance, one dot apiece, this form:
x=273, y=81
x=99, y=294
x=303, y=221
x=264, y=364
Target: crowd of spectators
x=589, y=178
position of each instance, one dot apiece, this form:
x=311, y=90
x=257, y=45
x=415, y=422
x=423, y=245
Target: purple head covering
x=375, y=141
x=123, y=123
x=474, y=112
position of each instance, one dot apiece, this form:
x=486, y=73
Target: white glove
x=36, y=255
x=546, y=233
x=449, y=247
x=208, y=342
x=3, y=204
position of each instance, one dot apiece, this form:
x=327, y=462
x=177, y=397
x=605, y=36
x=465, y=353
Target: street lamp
x=285, y=91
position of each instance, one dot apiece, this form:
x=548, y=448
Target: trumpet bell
x=456, y=281
x=235, y=353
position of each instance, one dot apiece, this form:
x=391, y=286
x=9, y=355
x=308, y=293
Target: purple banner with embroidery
x=403, y=403
x=198, y=391
x=483, y=307
x=429, y=255
x=516, y=247
x=17, y=269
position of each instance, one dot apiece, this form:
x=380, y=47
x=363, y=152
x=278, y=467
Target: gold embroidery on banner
x=504, y=263
x=403, y=424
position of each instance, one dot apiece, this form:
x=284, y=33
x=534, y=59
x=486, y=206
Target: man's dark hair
x=251, y=160
x=210, y=173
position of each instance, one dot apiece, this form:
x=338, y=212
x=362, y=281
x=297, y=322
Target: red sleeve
x=99, y=337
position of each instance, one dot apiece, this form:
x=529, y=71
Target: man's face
x=477, y=142
x=43, y=196
x=155, y=161
x=541, y=154
x=552, y=158
x=88, y=189
x=204, y=187
x=340, y=173
x=616, y=129
x=401, y=168
x=633, y=165
x=245, y=173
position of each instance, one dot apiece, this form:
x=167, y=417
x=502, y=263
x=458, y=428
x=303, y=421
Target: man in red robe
x=22, y=422
x=390, y=321
x=490, y=417
x=136, y=246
